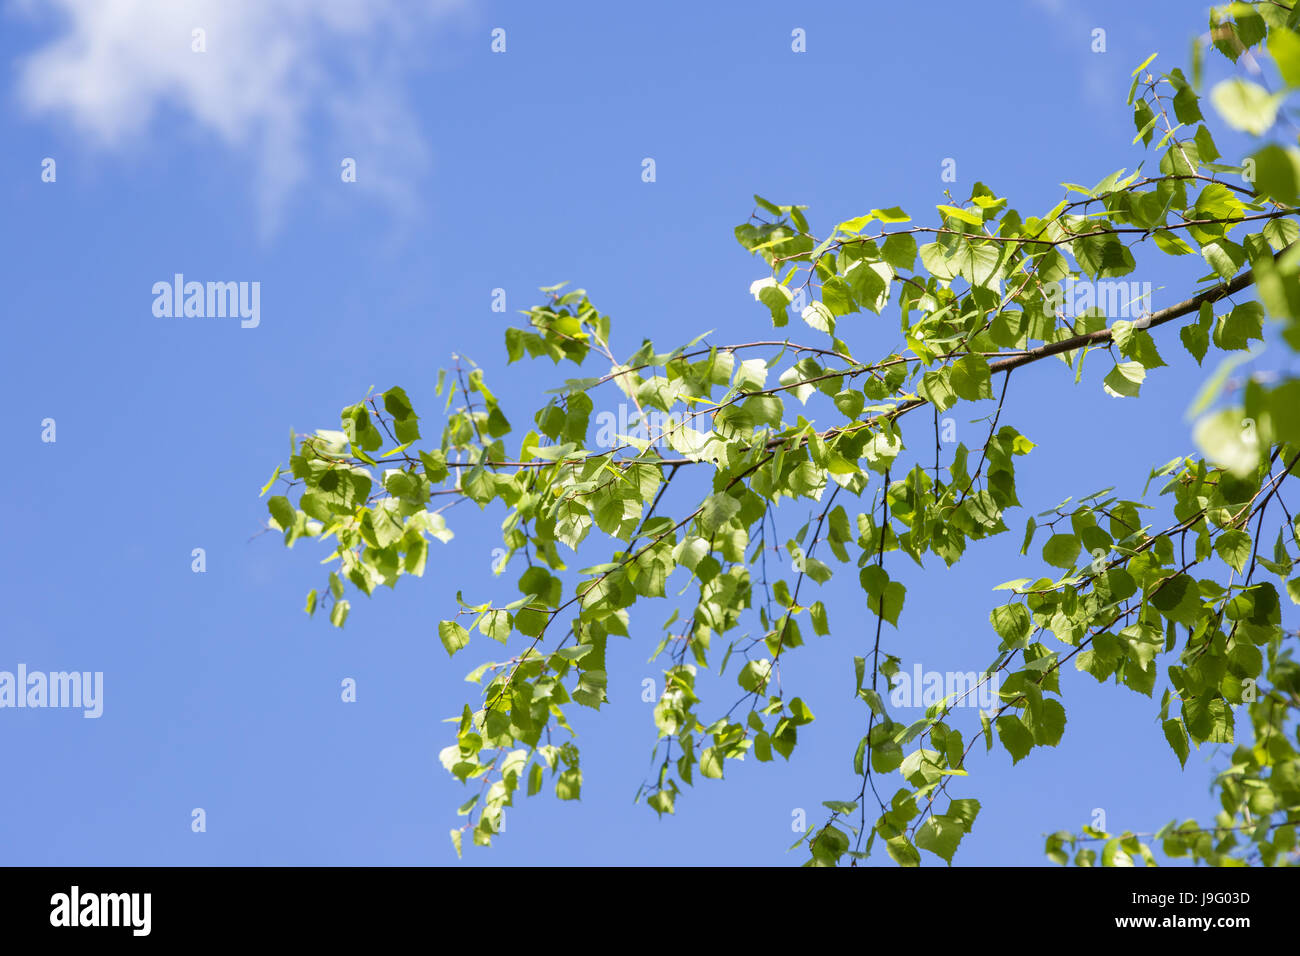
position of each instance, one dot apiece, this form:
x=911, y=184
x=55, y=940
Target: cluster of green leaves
x=1236, y=655
x=978, y=294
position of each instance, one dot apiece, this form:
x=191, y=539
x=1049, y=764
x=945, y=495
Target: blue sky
x=481, y=170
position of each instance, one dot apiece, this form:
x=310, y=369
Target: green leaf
x=266, y=487
x=963, y=215
x=1062, y=550
x=800, y=713
x=1233, y=547
x=899, y=251
x=902, y=851
x=970, y=377
x=1293, y=590
x=1224, y=256
x=1012, y=624
x=753, y=676
x=711, y=763
x=1277, y=173
x=282, y=511
x=1178, y=599
x=339, y=612
x=979, y=262
x=662, y=802
x=1103, y=256
x=1015, y=736
x=717, y=510
x=858, y=223
x=1048, y=724
x=936, y=387
x=1144, y=64
x=1245, y=105
x=751, y=375
x=819, y=317
x=1223, y=439
x=818, y=613
x=453, y=636
x=568, y=786
x=1125, y=379
x=773, y=295
x=1144, y=120
x=884, y=597
x=1169, y=243
x=1114, y=854
x=1196, y=338
x=941, y=835
x=1235, y=330
x=850, y=403
x=1176, y=734
x=1284, y=47
x=496, y=625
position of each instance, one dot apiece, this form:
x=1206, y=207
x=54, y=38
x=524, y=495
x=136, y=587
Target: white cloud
x=277, y=78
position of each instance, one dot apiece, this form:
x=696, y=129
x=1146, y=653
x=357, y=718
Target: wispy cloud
x=1099, y=82
x=279, y=81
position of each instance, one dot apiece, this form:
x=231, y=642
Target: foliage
x=978, y=294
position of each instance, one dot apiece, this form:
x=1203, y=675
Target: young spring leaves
x=803, y=424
